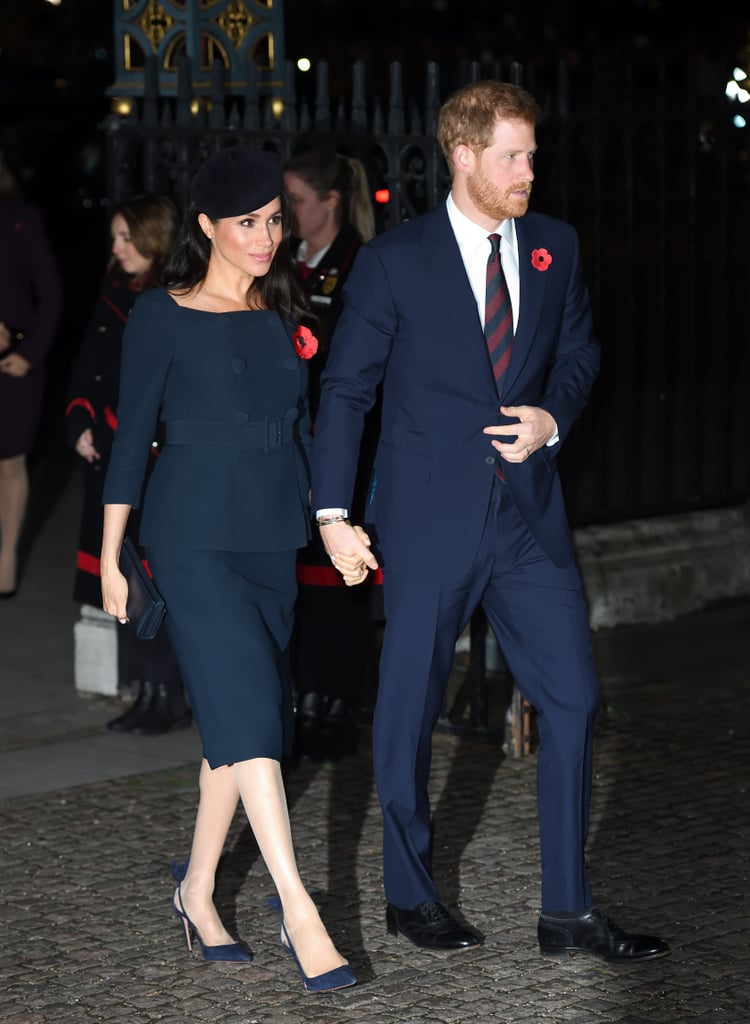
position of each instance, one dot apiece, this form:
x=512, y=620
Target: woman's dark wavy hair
x=280, y=289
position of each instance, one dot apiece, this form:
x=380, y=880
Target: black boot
x=338, y=736
x=166, y=713
x=309, y=721
x=128, y=719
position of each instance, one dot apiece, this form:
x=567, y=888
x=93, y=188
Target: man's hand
x=534, y=429
x=348, y=548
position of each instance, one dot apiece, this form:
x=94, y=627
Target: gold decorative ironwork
x=235, y=32
x=211, y=50
x=155, y=22
x=236, y=21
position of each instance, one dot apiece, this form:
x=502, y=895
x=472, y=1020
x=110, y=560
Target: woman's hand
x=115, y=594
x=14, y=365
x=114, y=584
x=85, y=446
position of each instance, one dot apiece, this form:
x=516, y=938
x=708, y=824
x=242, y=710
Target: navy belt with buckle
x=266, y=434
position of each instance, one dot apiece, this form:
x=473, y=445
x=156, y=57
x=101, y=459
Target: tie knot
x=494, y=246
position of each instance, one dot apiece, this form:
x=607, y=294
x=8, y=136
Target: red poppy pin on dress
x=305, y=342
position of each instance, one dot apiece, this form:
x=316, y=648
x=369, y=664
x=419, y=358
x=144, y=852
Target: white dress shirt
x=474, y=246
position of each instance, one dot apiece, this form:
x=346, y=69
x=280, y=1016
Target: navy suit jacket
x=410, y=317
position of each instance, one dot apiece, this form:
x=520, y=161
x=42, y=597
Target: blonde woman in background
x=334, y=639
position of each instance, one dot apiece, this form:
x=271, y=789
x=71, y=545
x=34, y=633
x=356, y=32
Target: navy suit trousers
x=539, y=616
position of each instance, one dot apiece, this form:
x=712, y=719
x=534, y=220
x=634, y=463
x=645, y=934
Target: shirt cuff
x=332, y=512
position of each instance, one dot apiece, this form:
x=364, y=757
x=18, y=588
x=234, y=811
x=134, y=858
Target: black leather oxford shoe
x=598, y=935
x=430, y=926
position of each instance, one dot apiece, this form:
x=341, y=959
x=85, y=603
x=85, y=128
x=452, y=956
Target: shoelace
x=615, y=929
x=434, y=913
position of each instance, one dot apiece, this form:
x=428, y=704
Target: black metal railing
x=655, y=177
x=644, y=159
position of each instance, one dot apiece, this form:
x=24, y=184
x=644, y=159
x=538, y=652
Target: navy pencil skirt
x=229, y=618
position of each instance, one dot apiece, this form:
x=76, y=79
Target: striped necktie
x=498, y=315
x=498, y=322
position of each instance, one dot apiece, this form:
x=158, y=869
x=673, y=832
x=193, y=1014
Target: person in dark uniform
x=219, y=355
x=143, y=229
x=30, y=307
x=334, y=643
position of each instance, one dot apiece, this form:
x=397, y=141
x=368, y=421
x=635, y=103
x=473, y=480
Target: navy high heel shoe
x=177, y=870
x=339, y=977
x=233, y=952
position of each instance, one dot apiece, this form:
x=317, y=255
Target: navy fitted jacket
x=231, y=392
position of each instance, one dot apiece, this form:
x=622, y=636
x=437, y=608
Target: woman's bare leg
x=262, y=792
x=218, y=801
x=14, y=494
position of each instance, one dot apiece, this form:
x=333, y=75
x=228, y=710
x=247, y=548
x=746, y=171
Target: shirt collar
x=314, y=260
x=470, y=235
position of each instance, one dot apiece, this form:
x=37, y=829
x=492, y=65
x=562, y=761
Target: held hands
x=534, y=429
x=348, y=548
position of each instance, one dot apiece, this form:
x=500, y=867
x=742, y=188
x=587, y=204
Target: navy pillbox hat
x=236, y=180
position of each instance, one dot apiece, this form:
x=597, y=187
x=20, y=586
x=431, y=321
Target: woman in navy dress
x=218, y=355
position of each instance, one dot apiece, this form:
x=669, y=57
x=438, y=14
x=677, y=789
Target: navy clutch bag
x=146, y=608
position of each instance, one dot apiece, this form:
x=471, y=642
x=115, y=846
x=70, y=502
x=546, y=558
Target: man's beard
x=496, y=204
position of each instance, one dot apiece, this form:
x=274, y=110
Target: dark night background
x=56, y=64
x=56, y=61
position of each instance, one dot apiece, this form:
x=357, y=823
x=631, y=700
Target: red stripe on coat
x=83, y=404
x=327, y=576
x=88, y=563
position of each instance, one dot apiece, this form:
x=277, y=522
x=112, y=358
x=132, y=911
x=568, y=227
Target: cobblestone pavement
x=88, y=934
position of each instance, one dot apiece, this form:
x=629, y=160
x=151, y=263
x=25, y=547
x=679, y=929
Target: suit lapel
x=448, y=272
x=532, y=286
x=454, y=308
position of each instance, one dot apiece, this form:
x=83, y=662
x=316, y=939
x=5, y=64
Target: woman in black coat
x=30, y=306
x=143, y=229
x=334, y=644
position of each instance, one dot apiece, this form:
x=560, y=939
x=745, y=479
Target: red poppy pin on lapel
x=540, y=259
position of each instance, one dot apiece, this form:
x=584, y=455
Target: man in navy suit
x=466, y=507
